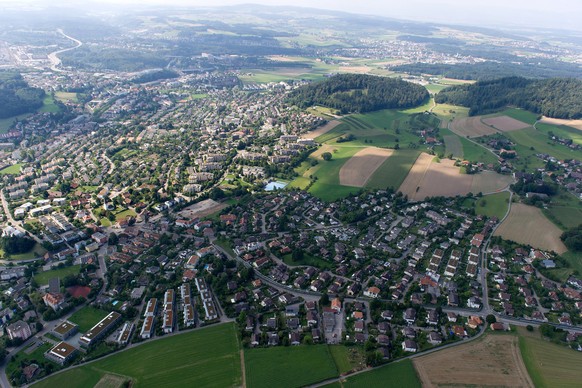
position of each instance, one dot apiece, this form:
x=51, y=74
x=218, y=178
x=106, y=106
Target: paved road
x=53, y=56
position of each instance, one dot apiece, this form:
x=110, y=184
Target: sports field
x=294, y=366
x=493, y=360
x=549, y=365
x=207, y=357
x=528, y=225
x=43, y=277
x=360, y=167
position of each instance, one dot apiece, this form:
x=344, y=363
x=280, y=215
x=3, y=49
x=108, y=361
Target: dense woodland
x=358, y=93
x=556, y=97
x=156, y=75
x=490, y=70
x=16, y=97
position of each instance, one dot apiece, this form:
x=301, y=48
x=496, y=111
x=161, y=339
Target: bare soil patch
x=577, y=124
x=471, y=126
x=78, y=291
x=321, y=130
x=111, y=381
x=360, y=167
x=528, y=225
x=202, y=209
x=494, y=361
x=505, y=123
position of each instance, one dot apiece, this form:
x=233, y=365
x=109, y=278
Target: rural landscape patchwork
x=274, y=196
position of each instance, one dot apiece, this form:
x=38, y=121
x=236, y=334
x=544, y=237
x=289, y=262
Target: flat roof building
x=61, y=353
x=65, y=330
x=100, y=330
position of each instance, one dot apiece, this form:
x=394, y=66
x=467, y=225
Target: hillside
x=359, y=93
x=556, y=97
x=16, y=96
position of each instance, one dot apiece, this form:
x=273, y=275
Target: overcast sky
x=565, y=14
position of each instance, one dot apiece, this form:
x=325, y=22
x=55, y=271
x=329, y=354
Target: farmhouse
x=100, y=329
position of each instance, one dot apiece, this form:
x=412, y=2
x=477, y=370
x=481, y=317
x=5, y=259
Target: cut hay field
x=528, y=225
x=549, y=365
x=360, y=167
x=471, y=127
x=429, y=178
x=576, y=124
x=207, y=357
x=294, y=366
x=505, y=123
x=494, y=360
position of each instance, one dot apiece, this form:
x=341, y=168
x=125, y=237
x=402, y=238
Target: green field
x=36, y=252
x=520, y=114
x=201, y=358
x=43, y=277
x=398, y=375
x=23, y=357
x=394, y=170
x=66, y=96
x=347, y=358
x=493, y=205
x=476, y=153
x=288, y=366
x=49, y=105
x=5, y=124
x=12, y=170
x=87, y=317
x=123, y=214
x=549, y=364
x=575, y=261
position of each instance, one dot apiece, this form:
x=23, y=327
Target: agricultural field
x=549, y=364
x=447, y=113
x=49, y=105
x=360, y=167
x=294, y=366
x=493, y=360
x=528, y=225
x=505, y=123
x=43, y=277
x=565, y=210
x=208, y=357
x=394, y=170
x=348, y=358
x=471, y=127
x=521, y=115
x=400, y=374
x=476, y=153
x=11, y=170
x=453, y=146
x=576, y=124
x=494, y=205
x=87, y=317
x=321, y=130
x=430, y=177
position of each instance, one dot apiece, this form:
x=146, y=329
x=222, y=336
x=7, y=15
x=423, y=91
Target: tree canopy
x=358, y=93
x=17, y=97
x=555, y=97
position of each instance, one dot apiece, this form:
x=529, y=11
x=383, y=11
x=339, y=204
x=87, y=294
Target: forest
x=359, y=93
x=555, y=97
x=489, y=70
x=17, y=97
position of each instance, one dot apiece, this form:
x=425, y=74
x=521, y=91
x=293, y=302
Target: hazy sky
x=529, y=13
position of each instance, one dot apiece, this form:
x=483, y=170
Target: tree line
x=17, y=97
x=555, y=97
x=359, y=93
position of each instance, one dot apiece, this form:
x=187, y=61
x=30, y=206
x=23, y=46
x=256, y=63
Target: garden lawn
x=42, y=278
x=87, y=317
x=284, y=367
x=208, y=357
